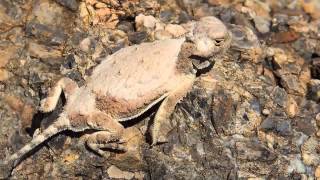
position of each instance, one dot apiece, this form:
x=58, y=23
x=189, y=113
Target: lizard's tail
x=8, y=165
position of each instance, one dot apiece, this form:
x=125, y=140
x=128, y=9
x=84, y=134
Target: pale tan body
x=128, y=83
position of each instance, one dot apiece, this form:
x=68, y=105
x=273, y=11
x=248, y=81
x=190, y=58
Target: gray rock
x=262, y=24
x=70, y=4
x=137, y=37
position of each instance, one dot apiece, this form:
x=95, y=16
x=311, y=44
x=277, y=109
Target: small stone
x=261, y=9
x=277, y=124
x=166, y=16
x=43, y=52
x=262, y=24
x=137, y=37
x=291, y=107
x=265, y=112
x=4, y=75
x=100, y=5
x=142, y=21
x=317, y=172
x=279, y=96
x=318, y=117
x=85, y=45
x=117, y=173
x=219, y=2
x=162, y=35
x=125, y=26
x=310, y=151
x=285, y=37
x=292, y=84
x=314, y=90
x=6, y=54
x=102, y=13
x=70, y=4
x=175, y=30
x=246, y=42
x=139, y=175
x=132, y=158
x=312, y=7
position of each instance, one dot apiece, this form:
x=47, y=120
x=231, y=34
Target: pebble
x=162, y=35
x=137, y=37
x=70, y=4
x=262, y=24
x=312, y=7
x=166, y=16
x=278, y=125
x=314, y=89
x=292, y=107
x=4, y=75
x=265, y=112
x=85, y=44
x=43, y=52
x=175, y=30
x=115, y=172
x=310, y=150
x=148, y=22
x=317, y=172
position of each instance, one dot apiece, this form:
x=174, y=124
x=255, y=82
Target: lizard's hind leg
x=66, y=85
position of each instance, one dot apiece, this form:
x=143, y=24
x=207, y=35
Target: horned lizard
x=129, y=82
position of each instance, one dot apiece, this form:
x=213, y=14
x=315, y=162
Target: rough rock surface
x=256, y=114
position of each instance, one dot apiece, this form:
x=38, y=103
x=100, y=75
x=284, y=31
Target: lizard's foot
x=103, y=140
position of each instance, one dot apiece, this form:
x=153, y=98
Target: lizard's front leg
x=68, y=86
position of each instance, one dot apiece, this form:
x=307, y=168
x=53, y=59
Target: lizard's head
x=209, y=36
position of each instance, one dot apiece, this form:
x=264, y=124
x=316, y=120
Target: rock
x=219, y=2
x=279, y=96
x=116, y=173
x=166, y=16
x=175, y=30
x=312, y=7
x=261, y=9
x=292, y=107
x=24, y=110
x=265, y=112
x=296, y=165
x=137, y=37
x=314, y=90
x=292, y=84
x=70, y=4
x=246, y=42
x=100, y=5
x=162, y=35
x=6, y=54
x=285, y=37
x=310, y=150
x=86, y=45
x=4, y=75
x=317, y=172
x=145, y=22
x=262, y=24
x=43, y=52
x=132, y=158
x=46, y=34
x=277, y=124
x=305, y=125
x=125, y=26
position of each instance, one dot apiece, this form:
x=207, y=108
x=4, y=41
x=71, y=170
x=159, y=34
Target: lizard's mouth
x=201, y=64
